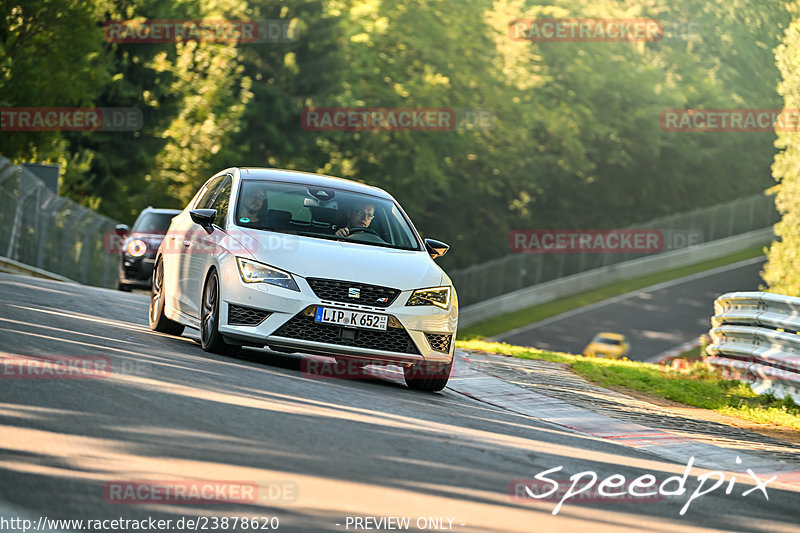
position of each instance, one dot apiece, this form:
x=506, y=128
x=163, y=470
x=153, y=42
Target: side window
x=208, y=192
x=221, y=201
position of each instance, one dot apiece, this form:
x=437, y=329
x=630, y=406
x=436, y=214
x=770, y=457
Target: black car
x=139, y=247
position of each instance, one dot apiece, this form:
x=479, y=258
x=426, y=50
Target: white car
x=307, y=263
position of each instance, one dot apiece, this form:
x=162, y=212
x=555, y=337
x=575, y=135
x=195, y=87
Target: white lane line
x=621, y=297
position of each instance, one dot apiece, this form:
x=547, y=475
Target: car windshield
x=153, y=223
x=325, y=213
x=608, y=340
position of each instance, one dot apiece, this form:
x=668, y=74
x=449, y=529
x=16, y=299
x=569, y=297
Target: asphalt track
x=320, y=452
x=654, y=320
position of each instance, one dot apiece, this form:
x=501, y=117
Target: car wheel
x=429, y=377
x=123, y=287
x=158, y=321
x=210, y=338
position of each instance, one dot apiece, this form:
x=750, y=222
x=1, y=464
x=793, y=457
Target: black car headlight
x=438, y=296
x=255, y=272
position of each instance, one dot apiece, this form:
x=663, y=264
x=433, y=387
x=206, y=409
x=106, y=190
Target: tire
x=429, y=377
x=123, y=287
x=210, y=338
x=158, y=321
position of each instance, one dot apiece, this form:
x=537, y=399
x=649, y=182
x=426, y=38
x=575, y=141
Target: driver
x=358, y=216
x=254, y=205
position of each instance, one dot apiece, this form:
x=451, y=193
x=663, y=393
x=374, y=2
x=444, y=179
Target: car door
x=184, y=238
x=202, y=246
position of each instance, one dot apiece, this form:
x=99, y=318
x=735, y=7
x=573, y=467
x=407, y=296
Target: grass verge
x=501, y=324
x=696, y=385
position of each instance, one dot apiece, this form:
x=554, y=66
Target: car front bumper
x=263, y=314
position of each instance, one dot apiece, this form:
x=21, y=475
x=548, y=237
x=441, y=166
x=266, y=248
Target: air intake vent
x=439, y=342
x=245, y=316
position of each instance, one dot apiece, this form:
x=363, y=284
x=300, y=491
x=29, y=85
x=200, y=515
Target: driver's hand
x=342, y=232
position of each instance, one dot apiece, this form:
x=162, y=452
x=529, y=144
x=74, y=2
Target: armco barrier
x=577, y=283
x=755, y=337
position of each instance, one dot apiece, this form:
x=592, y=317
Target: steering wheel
x=364, y=230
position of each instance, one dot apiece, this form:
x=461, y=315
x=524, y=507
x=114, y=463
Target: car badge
x=382, y=300
x=354, y=292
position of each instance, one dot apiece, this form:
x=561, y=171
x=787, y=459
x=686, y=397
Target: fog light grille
x=440, y=342
x=245, y=316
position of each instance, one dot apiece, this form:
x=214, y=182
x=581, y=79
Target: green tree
x=781, y=273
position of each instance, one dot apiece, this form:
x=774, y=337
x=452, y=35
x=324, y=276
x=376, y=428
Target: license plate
x=353, y=319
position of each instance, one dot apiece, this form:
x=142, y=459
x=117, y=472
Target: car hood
x=321, y=258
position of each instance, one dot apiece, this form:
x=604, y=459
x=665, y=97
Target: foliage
x=781, y=273
x=575, y=141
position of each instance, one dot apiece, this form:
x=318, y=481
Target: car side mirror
x=436, y=248
x=122, y=230
x=204, y=217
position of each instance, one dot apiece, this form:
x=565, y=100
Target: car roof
x=159, y=210
x=610, y=335
x=308, y=178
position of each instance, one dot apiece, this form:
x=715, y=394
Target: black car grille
x=304, y=328
x=439, y=342
x=335, y=290
x=245, y=316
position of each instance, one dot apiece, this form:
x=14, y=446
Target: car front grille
x=342, y=291
x=303, y=327
x=245, y=316
x=439, y=342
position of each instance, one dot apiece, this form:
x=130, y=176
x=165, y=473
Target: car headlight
x=255, y=272
x=438, y=296
x=137, y=248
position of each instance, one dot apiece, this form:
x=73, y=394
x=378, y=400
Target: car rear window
x=607, y=340
x=153, y=223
